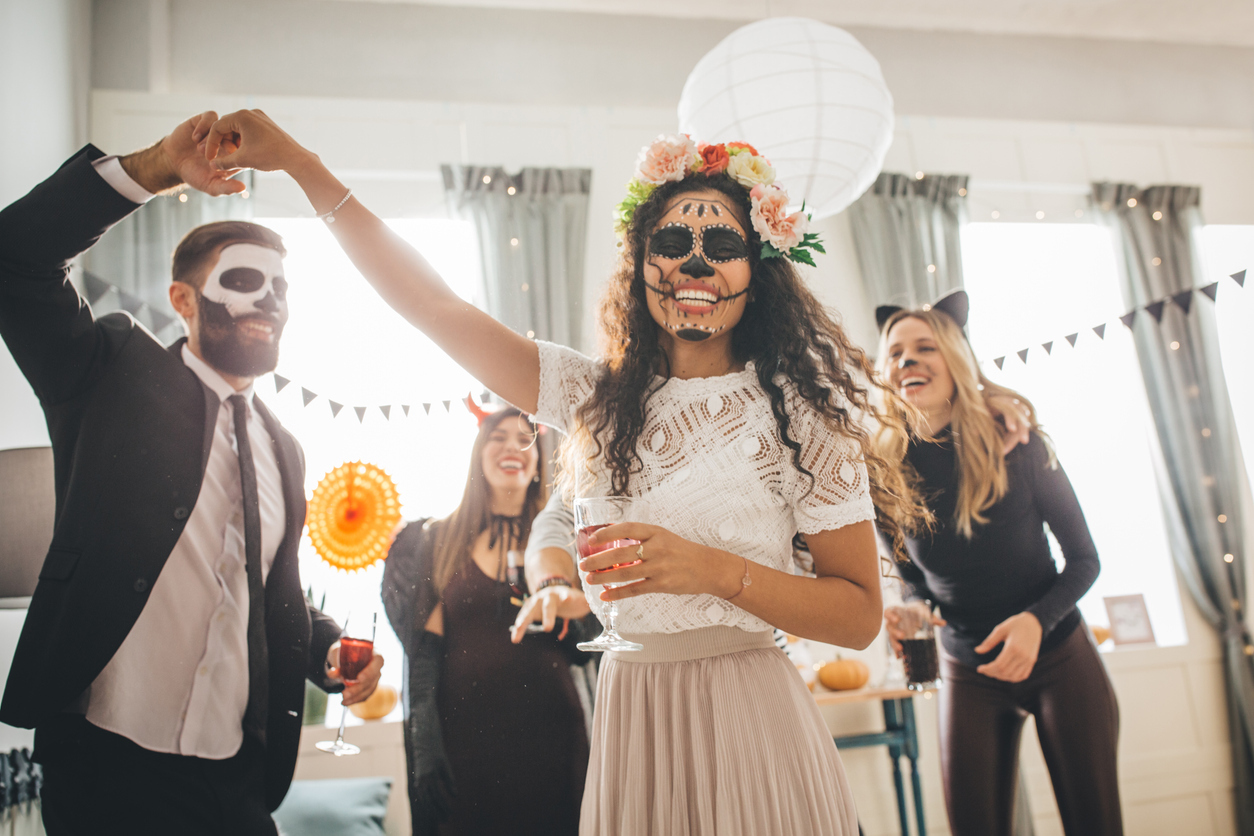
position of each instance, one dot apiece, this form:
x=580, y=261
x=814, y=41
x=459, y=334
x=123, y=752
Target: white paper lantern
x=806, y=95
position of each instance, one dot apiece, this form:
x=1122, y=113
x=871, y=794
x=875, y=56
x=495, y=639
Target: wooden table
x=900, y=735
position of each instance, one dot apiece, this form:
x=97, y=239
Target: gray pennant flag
x=405, y=407
x=96, y=287
x=307, y=395
x=387, y=412
x=335, y=408
x=280, y=382
x=361, y=414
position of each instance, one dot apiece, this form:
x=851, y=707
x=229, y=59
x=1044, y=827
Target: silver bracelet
x=329, y=217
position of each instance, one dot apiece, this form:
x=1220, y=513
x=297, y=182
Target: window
x=1036, y=283
x=344, y=343
x=1227, y=250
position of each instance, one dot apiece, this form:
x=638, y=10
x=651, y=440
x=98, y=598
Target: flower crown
x=674, y=158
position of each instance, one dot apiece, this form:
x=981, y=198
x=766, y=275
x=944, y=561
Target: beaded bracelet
x=554, y=580
x=329, y=217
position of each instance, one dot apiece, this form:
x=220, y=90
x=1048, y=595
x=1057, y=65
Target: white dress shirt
x=179, y=682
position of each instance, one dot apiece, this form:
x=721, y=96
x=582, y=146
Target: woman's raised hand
x=546, y=607
x=1020, y=637
x=902, y=621
x=251, y=139
x=662, y=562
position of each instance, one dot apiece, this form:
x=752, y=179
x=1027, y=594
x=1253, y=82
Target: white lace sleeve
x=566, y=381
x=839, y=494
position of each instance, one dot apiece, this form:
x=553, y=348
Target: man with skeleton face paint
x=168, y=637
x=242, y=310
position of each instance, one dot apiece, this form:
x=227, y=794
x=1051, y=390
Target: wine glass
x=591, y=515
x=355, y=655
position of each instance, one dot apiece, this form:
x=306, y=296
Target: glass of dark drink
x=355, y=655
x=516, y=577
x=591, y=515
x=919, y=656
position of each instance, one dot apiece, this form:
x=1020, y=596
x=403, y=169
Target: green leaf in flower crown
x=769, y=251
x=801, y=256
x=815, y=245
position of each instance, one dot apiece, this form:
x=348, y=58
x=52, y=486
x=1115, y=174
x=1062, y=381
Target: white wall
x=43, y=61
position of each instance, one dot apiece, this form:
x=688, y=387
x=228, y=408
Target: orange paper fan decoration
x=353, y=515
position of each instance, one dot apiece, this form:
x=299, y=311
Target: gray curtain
x=134, y=256
x=1198, y=457
x=901, y=226
x=531, y=229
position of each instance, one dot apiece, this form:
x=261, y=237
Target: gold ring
x=640, y=551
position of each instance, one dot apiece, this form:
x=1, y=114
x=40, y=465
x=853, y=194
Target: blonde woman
x=1013, y=642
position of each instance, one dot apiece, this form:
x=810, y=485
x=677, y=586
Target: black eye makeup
x=721, y=243
x=672, y=241
x=280, y=287
x=242, y=279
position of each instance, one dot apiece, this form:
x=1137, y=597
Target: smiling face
x=243, y=309
x=915, y=366
x=510, y=456
x=697, y=267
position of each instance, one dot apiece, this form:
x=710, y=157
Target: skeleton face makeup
x=243, y=308
x=697, y=268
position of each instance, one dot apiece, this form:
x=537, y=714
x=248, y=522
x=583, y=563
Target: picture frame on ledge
x=1129, y=620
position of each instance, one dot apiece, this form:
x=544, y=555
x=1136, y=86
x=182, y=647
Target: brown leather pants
x=1077, y=721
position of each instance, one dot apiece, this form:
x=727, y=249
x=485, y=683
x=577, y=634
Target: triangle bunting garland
x=335, y=408
x=279, y=382
x=386, y=410
x=1182, y=300
x=307, y=396
x=361, y=413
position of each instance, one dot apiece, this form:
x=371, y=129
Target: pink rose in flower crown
x=771, y=219
x=668, y=158
x=714, y=159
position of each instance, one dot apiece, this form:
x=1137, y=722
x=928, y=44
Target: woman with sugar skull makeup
x=727, y=396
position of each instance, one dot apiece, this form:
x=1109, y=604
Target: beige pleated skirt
x=711, y=733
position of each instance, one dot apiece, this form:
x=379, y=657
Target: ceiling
x=1227, y=22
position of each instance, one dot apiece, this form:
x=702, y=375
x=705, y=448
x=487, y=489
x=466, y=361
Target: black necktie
x=258, y=655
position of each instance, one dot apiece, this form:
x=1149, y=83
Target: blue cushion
x=334, y=807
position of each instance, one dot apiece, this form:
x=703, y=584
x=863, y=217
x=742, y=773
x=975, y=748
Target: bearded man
x=163, y=658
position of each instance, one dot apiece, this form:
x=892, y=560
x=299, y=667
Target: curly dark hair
x=784, y=330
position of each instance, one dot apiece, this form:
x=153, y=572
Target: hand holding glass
x=355, y=655
x=591, y=515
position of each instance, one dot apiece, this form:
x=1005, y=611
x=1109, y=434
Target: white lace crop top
x=715, y=472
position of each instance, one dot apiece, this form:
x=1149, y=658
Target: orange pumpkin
x=844, y=675
x=378, y=705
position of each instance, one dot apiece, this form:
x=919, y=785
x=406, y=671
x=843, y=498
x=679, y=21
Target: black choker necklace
x=504, y=530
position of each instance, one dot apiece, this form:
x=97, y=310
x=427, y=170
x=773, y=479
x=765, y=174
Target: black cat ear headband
x=956, y=304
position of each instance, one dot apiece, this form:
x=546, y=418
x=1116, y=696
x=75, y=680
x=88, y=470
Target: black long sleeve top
x=1006, y=567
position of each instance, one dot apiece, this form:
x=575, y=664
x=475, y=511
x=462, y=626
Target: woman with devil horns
x=730, y=398
x=495, y=736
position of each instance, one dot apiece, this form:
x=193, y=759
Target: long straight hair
x=455, y=534
x=981, y=465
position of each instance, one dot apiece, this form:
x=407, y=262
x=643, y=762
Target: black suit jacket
x=131, y=428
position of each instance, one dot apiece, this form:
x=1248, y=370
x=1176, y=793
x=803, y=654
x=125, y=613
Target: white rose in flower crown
x=668, y=158
x=770, y=218
x=750, y=170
